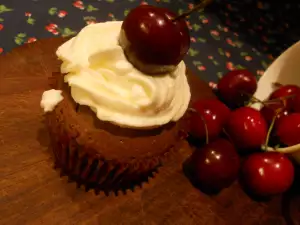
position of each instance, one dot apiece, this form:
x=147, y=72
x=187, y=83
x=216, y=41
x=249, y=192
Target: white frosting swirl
x=101, y=77
x=50, y=99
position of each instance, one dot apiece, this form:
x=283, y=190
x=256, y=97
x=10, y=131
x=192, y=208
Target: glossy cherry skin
x=268, y=173
x=296, y=103
x=153, y=38
x=274, y=110
x=288, y=129
x=284, y=91
x=233, y=86
x=213, y=112
x=216, y=165
x=246, y=128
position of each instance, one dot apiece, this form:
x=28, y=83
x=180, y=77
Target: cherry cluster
x=238, y=136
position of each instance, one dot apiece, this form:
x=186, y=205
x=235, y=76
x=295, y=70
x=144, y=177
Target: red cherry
x=296, y=103
x=247, y=128
x=237, y=87
x=213, y=112
x=270, y=111
x=284, y=91
x=288, y=129
x=268, y=173
x=152, y=41
x=216, y=165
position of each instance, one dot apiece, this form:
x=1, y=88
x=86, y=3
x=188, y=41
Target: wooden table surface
x=31, y=191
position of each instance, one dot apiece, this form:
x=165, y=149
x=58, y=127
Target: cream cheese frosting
x=100, y=76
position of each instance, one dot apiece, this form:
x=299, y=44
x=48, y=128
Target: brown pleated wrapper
x=90, y=162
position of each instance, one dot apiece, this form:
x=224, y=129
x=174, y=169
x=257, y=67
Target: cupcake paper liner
x=95, y=172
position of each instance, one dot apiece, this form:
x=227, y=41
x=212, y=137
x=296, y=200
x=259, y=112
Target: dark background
x=229, y=34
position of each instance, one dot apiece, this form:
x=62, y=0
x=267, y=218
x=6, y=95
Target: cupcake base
x=102, y=156
x=100, y=174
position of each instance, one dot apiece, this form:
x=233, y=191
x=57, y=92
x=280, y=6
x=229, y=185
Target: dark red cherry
x=237, y=86
x=247, y=128
x=268, y=173
x=209, y=112
x=276, y=109
x=216, y=165
x=152, y=42
x=283, y=92
x=288, y=129
x=296, y=103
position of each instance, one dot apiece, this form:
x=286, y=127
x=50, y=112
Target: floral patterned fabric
x=217, y=45
x=269, y=25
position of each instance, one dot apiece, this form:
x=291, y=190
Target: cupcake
x=111, y=125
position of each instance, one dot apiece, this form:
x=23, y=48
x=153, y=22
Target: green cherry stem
x=255, y=100
x=227, y=135
x=201, y=5
x=280, y=99
x=252, y=99
x=267, y=102
x=206, y=131
x=270, y=129
x=204, y=123
x=277, y=85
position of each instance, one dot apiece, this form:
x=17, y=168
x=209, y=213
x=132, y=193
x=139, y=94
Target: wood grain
x=31, y=191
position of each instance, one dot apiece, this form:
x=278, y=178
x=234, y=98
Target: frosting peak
x=101, y=77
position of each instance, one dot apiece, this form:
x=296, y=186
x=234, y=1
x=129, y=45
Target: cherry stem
x=252, y=99
x=286, y=150
x=281, y=98
x=266, y=103
x=201, y=5
x=278, y=85
x=270, y=129
x=225, y=132
x=204, y=122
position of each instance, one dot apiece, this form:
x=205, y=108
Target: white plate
x=284, y=70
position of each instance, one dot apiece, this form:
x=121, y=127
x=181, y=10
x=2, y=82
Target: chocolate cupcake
x=112, y=126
